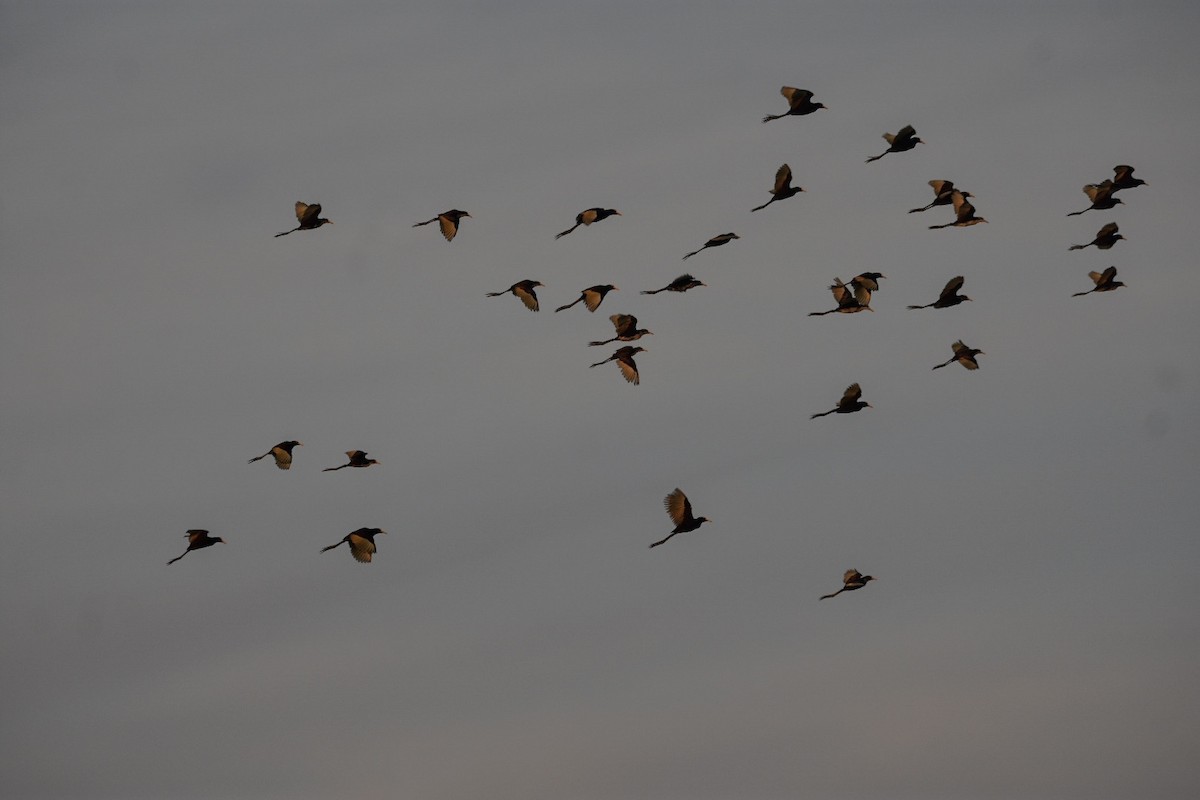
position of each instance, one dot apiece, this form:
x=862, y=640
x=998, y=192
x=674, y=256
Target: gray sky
x=1034, y=630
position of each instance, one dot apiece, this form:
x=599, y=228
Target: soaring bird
x=361, y=543
x=949, y=296
x=1106, y=237
x=964, y=213
x=963, y=355
x=626, y=329
x=358, y=458
x=680, y=284
x=849, y=403
x=799, y=103
x=522, y=290
x=624, y=358
x=588, y=217
x=591, y=297
x=716, y=241
x=448, y=222
x=849, y=300
x=904, y=139
x=679, y=509
x=309, y=217
x=282, y=453
x=943, y=195
x=1105, y=282
x=1101, y=196
x=783, y=187
x=853, y=579
x=1123, y=178
x=197, y=540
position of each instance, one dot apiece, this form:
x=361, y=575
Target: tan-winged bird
x=1123, y=178
x=799, y=103
x=949, y=296
x=447, y=221
x=716, y=241
x=964, y=213
x=624, y=358
x=197, y=540
x=898, y=142
x=850, y=299
x=625, y=326
x=282, y=453
x=361, y=543
x=588, y=217
x=309, y=217
x=1106, y=237
x=853, y=579
x=592, y=297
x=783, y=188
x=523, y=291
x=680, y=284
x=358, y=458
x=1101, y=195
x=1105, y=282
x=851, y=401
x=679, y=509
x=943, y=195
x=963, y=355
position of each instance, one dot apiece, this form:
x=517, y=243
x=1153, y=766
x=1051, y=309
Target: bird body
x=1106, y=237
x=716, y=241
x=1105, y=282
x=523, y=291
x=282, y=453
x=963, y=355
x=851, y=401
x=588, y=217
x=949, y=296
x=197, y=540
x=592, y=297
x=851, y=580
x=799, y=103
x=898, y=142
x=679, y=509
x=361, y=543
x=850, y=299
x=783, y=188
x=1101, y=196
x=447, y=221
x=964, y=213
x=624, y=358
x=358, y=458
x=309, y=217
x=943, y=195
x=680, y=284
x=626, y=329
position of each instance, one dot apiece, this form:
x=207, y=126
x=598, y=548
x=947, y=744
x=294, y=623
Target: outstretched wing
x=679, y=508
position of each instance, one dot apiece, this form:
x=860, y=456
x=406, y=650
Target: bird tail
x=173, y=560
x=568, y=305
x=820, y=313
x=258, y=458
x=764, y=205
x=335, y=469
x=285, y=233
x=496, y=294
x=426, y=222
x=935, y=227
x=835, y=594
x=770, y=117
x=568, y=230
x=689, y=255
x=597, y=344
x=1081, y=294
x=876, y=158
x=1076, y=213
x=948, y=363
x=652, y=291
x=924, y=306
x=598, y=363
x=1080, y=246
x=323, y=549
x=823, y=414
x=661, y=541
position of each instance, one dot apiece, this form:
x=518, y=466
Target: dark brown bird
x=799, y=103
x=309, y=217
x=626, y=329
x=592, y=297
x=904, y=139
x=853, y=579
x=361, y=543
x=964, y=213
x=588, y=217
x=964, y=355
x=624, y=358
x=949, y=296
x=851, y=401
x=1123, y=178
x=358, y=458
x=783, y=187
x=716, y=241
x=523, y=291
x=1101, y=196
x=282, y=453
x=849, y=300
x=1106, y=237
x=679, y=509
x=197, y=540
x=943, y=195
x=1105, y=282
x=680, y=284
x=448, y=221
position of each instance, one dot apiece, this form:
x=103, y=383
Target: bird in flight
x=949, y=296
x=679, y=509
x=624, y=358
x=1123, y=178
x=523, y=291
x=1105, y=282
x=448, y=221
x=904, y=139
x=851, y=401
x=625, y=326
x=358, y=458
x=849, y=300
x=1101, y=196
x=309, y=217
x=943, y=195
x=197, y=540
x=680, y=284
x=361, y=543
x=964, y=213
x=716, y=241
x=282, y=453
x=592, y=297
x=588, y=217
x=783, y=188
x=799, y=103
x=853, y=579
x=1106, y=237
x=963, y=355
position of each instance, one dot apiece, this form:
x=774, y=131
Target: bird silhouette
x=868, y=281
x=588, y=217
x=523, y=291
x=1123, y=178
x=626, y=329
x=592, y=297
x=716, y=241
x=308, y=216
x=853, y=579
x=448, y=221
x=904, y=139
x=358, y=458
x=680, y=284
x=850, y=300
x=849, y=403
x=1106, y=237
x=949, y=296
x=197, y=540
x=783, y=188
x=624, y=358
x=282, y=453
x=679, y=509
x=963, y=355
x=1101, y=196
x=943, y=195
x=1105, y=282
x=799, y=103
x=361, y=543
x=964, y=213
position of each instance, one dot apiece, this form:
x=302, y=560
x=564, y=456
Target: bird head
x=219, y=539
x=969, y=300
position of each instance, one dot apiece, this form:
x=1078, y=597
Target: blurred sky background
x=1034, y=629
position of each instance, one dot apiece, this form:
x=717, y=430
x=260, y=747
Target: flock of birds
x=850, y=298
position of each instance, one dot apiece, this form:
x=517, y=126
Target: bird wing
x=308, y=214
x=852, y=394
x=592, y=298
x=789, y=92
x=840, y=292
x=783, y=179
x=588, y=217
x=353, y=454
x=960, y=349
x=527, y=296
x=301, y=210
x=196, y=535
x=963, y=211
x=952, y=287
x=907, y=132
x=283, y=459
x=361, y=547
x=1122, y=173
x=1096, y=277
x=623, y=323
x=851, y=576
x=449, y=227
x=1107, y=276
x=679, y=508
x=628, y=368
x=1107, y=231
x=862, y=295
x=941, y=186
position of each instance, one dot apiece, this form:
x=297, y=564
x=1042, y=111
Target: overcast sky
x=1034, y=630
